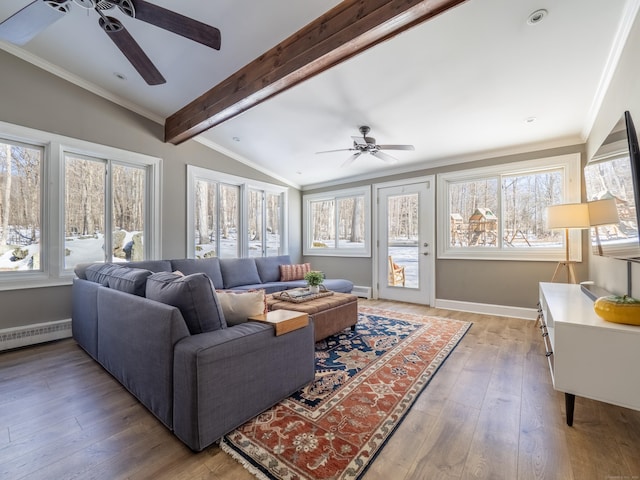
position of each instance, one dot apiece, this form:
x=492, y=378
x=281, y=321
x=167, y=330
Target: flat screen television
x=614, y=173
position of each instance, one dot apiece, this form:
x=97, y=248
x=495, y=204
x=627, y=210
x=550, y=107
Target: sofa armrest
x=84, y=314
x=226, y=377
x=136, y=340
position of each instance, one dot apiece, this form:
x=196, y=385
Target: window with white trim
x=499, y=212
x=66, y=201
x=105, y=210
x=230, y=216
x=338, y=223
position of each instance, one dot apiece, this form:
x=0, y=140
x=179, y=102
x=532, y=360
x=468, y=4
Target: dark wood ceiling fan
x=25, y=24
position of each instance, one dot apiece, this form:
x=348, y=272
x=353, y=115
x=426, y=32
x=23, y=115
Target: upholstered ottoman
x=329, y=314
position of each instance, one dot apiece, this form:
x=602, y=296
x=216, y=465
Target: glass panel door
x=405, y=269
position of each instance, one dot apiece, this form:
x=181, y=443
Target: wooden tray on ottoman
x=330, y=314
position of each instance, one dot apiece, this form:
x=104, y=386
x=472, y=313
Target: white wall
x=623, y=94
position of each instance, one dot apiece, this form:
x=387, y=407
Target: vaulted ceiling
x=476, y=81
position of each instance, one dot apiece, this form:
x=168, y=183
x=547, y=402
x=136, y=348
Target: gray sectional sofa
x=164, y=337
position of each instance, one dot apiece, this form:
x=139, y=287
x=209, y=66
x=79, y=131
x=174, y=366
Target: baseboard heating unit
x=362, y=292
x=32, y=334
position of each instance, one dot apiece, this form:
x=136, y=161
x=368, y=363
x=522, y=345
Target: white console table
x=588, y=356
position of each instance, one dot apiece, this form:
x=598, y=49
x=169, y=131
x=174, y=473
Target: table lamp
x=567, y=216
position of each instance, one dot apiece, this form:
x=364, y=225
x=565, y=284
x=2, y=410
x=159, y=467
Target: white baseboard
x=362, y=292
x=488, y=309
x=32, y=334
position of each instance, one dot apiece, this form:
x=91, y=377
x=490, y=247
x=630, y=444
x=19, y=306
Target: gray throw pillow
x=269, y=267
x=210, y=266
x=239, y=271
x=192, y=295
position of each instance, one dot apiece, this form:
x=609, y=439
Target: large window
x=230, y=216
x=338, y=223
x=104, y=210
x=64, y=201
x=500, y=212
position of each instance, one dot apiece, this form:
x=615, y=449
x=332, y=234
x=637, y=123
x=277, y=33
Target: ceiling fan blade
x=25, y=24
x=339, y=150
x=385, y=157
x=130, y=49
x=396, y=147
x=178, y=24
x=350, y=160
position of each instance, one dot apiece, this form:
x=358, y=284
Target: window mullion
x=108, y=213
x=501, y=214
x=217, y=227
x=264, y=223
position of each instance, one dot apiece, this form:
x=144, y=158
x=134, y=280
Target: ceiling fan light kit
x=364, y=144
x=28, y=22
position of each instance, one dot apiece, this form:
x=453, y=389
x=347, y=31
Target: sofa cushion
x=269, y=267
x=210, y=266
x=81, y=270
x=294, y=272
x=192, y=295
x=239, y=271
x=100, y=272
x=118, y=277
x=153, y=265
x=238, y=306
x=129, y=280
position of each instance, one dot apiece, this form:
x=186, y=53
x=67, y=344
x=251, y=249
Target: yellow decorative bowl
x=618, y=309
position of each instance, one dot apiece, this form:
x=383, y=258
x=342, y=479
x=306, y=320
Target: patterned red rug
x=366, y=382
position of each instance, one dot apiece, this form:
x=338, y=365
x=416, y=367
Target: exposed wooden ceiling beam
x=346, y=30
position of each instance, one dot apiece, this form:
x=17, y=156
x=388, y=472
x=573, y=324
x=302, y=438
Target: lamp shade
x=603, y=212
x=568, y=215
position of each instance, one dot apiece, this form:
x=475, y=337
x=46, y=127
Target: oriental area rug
x=366, y=382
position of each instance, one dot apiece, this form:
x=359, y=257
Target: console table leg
x=570, y=402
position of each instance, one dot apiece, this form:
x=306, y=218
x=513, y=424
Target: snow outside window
x=229, y=216
x=105, y=211
x=499, y=212
x=21, y=167
x=338, y=223
x=65, y=201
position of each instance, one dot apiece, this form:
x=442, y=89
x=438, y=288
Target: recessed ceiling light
x=120, y=76
x=537, y=16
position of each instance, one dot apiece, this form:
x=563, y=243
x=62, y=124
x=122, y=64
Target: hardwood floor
x=489, y=413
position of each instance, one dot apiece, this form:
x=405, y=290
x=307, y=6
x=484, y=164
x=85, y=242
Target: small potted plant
x=314, y=280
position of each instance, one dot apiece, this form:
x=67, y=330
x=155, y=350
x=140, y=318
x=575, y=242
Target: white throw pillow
x=238, y=306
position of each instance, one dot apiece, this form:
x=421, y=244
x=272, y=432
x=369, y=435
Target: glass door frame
x=428, y=216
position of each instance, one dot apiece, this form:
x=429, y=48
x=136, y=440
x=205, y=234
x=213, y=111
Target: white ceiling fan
x=366, y=144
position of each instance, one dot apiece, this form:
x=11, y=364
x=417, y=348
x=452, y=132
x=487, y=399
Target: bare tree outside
x=85, y=223
x=20, y=204
x=338, y=223
x=477, y=218
x=255, y=210
x=274, y=215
